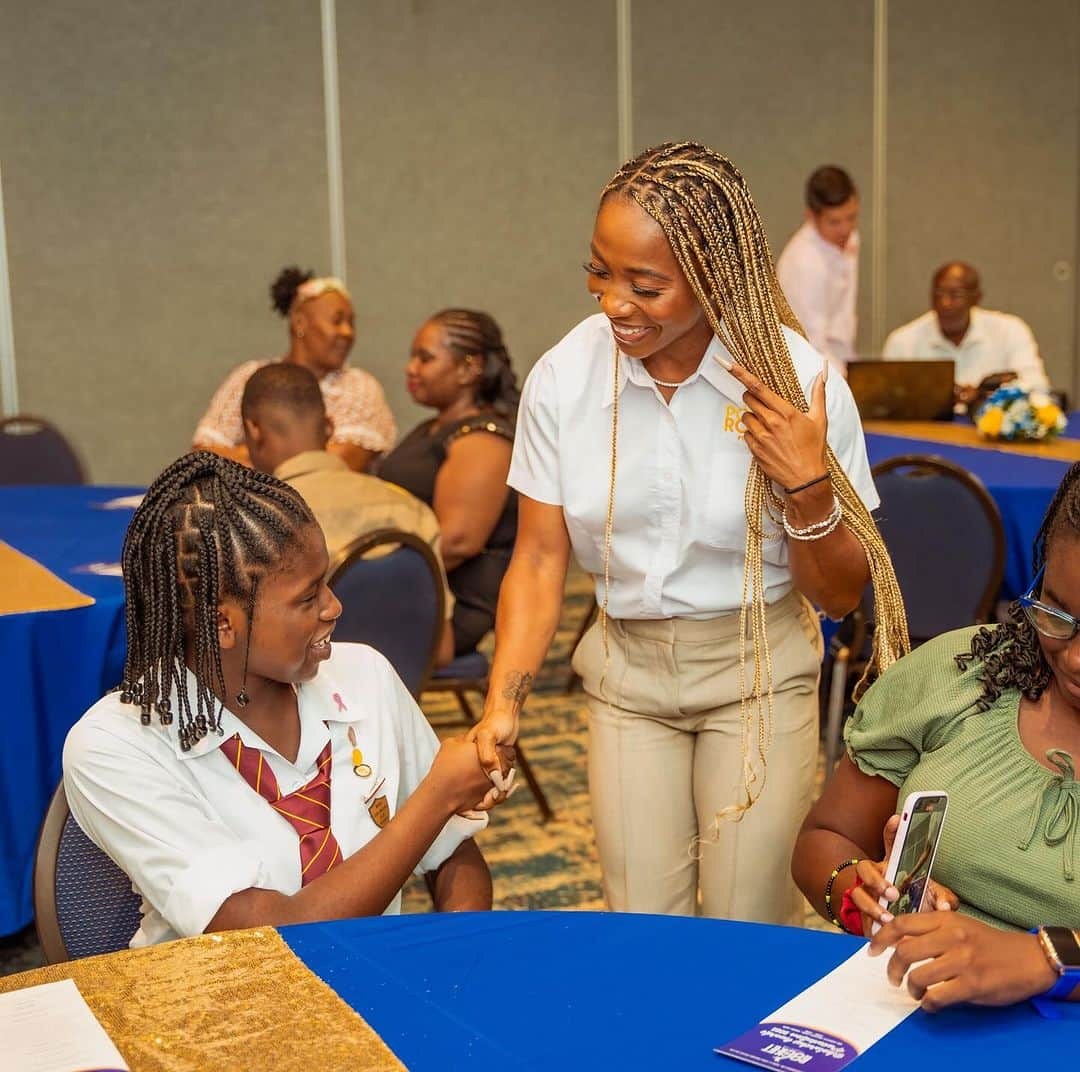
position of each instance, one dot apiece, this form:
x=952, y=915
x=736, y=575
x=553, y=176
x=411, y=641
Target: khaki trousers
x=665, y=756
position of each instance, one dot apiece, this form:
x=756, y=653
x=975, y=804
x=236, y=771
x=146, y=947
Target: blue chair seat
x=471, y=665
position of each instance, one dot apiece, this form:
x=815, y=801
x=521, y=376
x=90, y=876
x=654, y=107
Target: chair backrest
x=394, y=602
x=83, y=902
x=32, y=451
x=946, y=541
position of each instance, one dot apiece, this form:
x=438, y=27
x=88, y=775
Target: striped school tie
x=307, y=809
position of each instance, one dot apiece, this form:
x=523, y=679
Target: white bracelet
x=819, y=529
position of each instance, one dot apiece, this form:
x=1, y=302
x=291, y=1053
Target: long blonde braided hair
x=704, y=207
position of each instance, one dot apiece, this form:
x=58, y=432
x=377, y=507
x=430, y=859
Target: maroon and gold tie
x=307, y=809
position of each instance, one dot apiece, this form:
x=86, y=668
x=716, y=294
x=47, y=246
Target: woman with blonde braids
x=686, y=445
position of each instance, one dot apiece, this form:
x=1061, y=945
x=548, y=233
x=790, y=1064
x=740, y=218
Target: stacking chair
x=947, y=544
x=393, y=602
x=83, y=902
x=32, y=451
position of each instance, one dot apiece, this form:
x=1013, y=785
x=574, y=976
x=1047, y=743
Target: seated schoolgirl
x=247, y=772
x=990, y=714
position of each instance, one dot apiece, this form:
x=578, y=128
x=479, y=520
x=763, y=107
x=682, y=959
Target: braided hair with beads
x=1010, y=653
x=473, y=334
x=207, y=529
x=704, y=207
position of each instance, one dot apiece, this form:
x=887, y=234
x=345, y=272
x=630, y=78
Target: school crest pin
x=379, y=810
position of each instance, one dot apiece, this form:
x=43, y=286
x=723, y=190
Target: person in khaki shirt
x=286, y=429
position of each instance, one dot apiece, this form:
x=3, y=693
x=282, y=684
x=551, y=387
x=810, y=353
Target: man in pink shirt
x=819, y=267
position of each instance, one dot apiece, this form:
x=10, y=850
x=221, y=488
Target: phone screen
x=913, y=869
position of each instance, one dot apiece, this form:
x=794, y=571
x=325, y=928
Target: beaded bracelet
x=819, y=529
x=853, y=862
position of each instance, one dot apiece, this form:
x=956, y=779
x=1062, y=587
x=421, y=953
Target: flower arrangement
x=1012, y=412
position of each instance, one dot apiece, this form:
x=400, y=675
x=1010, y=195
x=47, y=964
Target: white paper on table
x=830, y=1023
x=122, y=502
x=102, y=569
x=50, y=1028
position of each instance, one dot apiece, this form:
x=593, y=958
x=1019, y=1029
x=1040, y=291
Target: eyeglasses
x=1051, y=622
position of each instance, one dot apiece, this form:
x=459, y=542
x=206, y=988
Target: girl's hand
x=938, y=897
x=788, y=444
x=965, y=960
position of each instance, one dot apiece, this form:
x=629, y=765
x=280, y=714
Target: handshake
x=467, y=787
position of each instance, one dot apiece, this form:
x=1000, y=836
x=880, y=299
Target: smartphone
x=913, y=851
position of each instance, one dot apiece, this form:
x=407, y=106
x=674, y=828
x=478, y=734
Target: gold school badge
x=379, y=810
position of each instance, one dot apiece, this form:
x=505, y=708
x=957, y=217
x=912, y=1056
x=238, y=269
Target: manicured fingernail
x=510, y=780
x=512, y=790
x=499, y=781
x=724, y=362
x=886, y=917
x=892, y=893
x=944, y=906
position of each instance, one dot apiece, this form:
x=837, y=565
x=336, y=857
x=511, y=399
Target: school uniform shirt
x=354, y=400
x=820, y=281
x=679, y=540
x=993, y=342
x=188, y=829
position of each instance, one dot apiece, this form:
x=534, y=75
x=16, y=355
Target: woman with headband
x=321, y=332
x=689, y=447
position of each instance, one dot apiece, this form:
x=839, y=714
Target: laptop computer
x=902, y=390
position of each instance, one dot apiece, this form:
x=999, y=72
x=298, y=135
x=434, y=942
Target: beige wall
x=162, y=161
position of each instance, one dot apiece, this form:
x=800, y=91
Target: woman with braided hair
x=246, y=772
x=457, y=461
x=991, y=714
x=685, y=444
x=319, y=313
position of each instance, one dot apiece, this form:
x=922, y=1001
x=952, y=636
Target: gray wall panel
x=477, y=135
x=779, y=87
x=983, y=127
x=160, y=162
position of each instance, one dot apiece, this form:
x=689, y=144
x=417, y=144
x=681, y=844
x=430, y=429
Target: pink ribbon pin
x=340, y=702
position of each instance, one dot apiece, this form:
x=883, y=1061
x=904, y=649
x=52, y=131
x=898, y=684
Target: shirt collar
x=973, y=334
x=310, y=461
x=321, y=700
x=710, y=370
x=850, y=249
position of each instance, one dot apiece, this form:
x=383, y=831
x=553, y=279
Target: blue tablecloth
x=583, y=990
x=1021, y=485
x=54, y=664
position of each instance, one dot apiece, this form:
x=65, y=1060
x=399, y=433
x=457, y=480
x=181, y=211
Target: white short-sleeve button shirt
x=994, y=342
x=191, y=832
x=678, y=546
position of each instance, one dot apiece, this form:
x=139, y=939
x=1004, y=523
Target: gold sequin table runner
x=26, y=585
x=966, y=435
x=236, y=1000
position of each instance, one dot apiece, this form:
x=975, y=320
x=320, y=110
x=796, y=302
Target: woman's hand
x=938, y=897
x=788, y=444
x=965, y=960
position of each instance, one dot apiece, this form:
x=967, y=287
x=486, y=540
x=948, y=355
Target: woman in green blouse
x=991, y=715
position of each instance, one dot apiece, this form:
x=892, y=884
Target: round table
x=55, y=663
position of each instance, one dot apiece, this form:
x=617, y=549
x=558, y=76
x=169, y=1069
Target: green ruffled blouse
x=1008, y=847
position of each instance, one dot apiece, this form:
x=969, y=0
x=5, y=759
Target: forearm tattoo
x=516, y=687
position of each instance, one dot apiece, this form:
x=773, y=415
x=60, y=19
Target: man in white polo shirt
x=819, y=268
x=982, y=342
